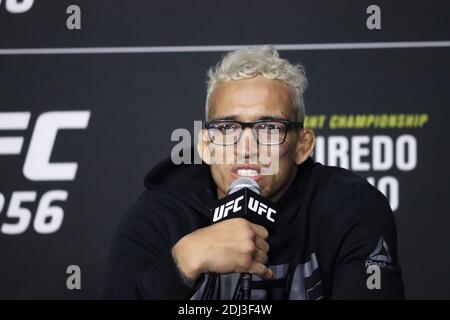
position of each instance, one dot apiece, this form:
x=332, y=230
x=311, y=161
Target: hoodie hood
x=190, y=182
x=194, y=184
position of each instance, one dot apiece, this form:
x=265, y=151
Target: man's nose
x=247, y=146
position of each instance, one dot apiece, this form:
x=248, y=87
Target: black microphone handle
x=252, y=187
x=246, y=280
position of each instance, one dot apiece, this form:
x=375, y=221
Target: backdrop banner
x=91, y=93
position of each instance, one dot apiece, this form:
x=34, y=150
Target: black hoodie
x=331, y=226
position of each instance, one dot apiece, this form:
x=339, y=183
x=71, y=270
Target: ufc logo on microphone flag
x=222, y=211
x=245, y=204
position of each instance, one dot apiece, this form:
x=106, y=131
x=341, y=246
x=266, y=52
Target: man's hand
x=234, y=245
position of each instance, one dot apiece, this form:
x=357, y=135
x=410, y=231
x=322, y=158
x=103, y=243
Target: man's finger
x=259, y=230
x=262, y=244
x=261, y=270
x=261, y=256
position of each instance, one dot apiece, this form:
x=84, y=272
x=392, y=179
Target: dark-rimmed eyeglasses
x=266, y=132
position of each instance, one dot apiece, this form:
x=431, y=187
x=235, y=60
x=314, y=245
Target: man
x=333, y=228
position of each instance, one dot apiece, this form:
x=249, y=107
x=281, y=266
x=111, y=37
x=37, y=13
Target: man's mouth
x=247, y=170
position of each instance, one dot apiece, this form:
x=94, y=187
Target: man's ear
x=203, y=146
x=305, y=145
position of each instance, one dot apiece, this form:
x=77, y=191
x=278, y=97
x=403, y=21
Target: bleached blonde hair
x=260, y=60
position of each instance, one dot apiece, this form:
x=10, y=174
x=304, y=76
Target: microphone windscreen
x=243, y=182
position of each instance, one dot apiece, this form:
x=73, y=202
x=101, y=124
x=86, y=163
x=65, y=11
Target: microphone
x=244, y=200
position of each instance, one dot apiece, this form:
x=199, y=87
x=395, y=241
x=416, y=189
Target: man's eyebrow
x=269, y=118
x=234, y=118
x=231, y=117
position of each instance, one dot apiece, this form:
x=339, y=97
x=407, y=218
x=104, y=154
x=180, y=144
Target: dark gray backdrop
x=136, y=100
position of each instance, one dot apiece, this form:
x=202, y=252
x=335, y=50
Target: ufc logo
x=222, y=211
x=233, y=206
x=37, y=166
x=16, y=6
x=260, y=208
